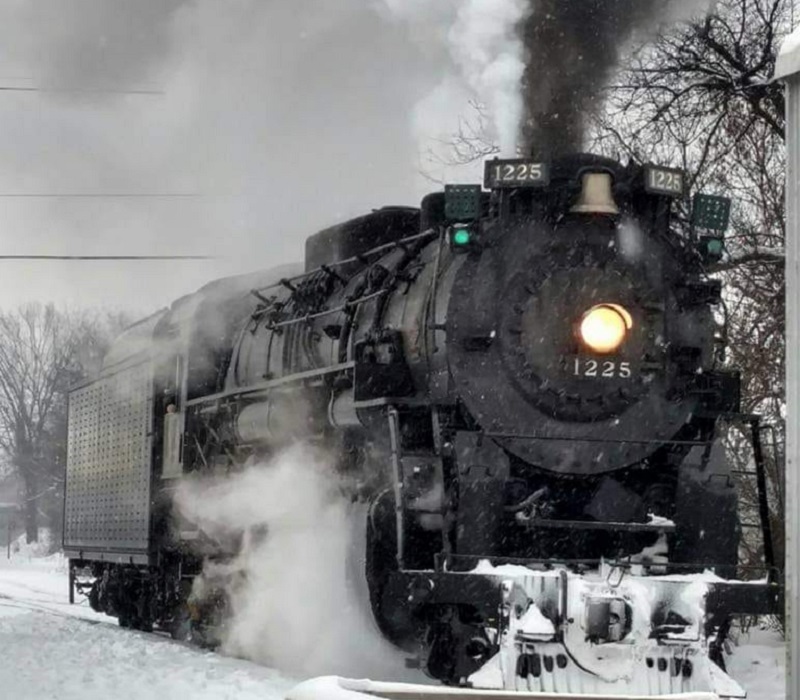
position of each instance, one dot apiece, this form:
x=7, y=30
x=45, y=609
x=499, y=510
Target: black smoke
x=572, y=48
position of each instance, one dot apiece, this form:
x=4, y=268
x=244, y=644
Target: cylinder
x=252, y=424
x=277, y=419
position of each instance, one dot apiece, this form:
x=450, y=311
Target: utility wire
x=99, y=195
x=96, y=91
x=107, y=257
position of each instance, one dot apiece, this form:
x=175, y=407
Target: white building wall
x=788, y=69
x=793, y=383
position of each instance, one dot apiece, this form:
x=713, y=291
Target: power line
x=99, y=195
x=90, y=91
x=107, y=257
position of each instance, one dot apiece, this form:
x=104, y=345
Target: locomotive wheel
x=94, y=598
x=145, y=624
x=379, y=562
x=716, y=650
x=716, y=654
x=180, y=627
x=391, y=613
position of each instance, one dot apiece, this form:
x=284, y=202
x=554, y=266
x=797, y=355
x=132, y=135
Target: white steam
x=485, y=45
x=630, y=240
x=300, y=606
x=481, y=41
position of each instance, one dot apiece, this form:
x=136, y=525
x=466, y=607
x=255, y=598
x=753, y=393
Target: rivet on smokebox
x=596, y=196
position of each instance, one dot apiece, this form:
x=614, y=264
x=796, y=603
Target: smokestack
x=572, y=49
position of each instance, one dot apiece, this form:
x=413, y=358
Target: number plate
x=669, y=181
x=597, y=369
x=515, y=173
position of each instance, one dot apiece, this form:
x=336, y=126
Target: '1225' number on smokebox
x=603, y=370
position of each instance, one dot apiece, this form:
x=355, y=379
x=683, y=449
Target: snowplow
x=605, y=635
x=334, y=688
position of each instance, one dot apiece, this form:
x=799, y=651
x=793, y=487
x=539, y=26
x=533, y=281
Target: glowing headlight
x=604, y=327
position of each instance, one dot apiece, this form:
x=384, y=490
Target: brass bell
x=596, y=196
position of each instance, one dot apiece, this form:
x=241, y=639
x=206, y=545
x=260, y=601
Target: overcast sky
x=282, y=116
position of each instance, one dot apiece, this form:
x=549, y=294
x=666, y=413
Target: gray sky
x=285, y=115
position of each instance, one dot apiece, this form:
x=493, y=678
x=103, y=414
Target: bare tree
x=470, y=142
x=42, y=353
x=700, y=97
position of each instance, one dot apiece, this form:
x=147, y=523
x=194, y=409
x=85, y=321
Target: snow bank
x=51, y=649
x=46, y=656
x=759, y=664
x=34, y=550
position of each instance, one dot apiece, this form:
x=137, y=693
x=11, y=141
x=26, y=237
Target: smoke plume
x=298, y=597
x=572, y=48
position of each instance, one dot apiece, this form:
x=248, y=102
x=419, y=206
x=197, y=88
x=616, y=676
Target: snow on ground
x=50, y=649
x=759, y=664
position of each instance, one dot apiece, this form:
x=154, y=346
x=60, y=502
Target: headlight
x=604, y=327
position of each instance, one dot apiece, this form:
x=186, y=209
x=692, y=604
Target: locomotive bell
x=596, y=196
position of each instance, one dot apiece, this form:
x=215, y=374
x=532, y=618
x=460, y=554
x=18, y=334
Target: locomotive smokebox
x=562, y=347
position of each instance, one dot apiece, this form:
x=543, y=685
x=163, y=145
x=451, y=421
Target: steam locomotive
x=524, y=381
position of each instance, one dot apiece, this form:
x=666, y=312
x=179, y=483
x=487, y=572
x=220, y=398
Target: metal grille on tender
x=108, y=463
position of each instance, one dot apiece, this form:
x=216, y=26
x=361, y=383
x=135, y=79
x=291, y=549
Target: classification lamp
x=462, y=238
x=712, y=215
x=604, y=328
x=462, y=202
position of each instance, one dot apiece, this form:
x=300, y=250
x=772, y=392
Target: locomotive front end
x=574, y=332
x=584, y=490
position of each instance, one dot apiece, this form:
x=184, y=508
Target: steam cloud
x=482, y=45
x=485, y=45
x=572, y=49
x=538, y=67
x=301, y=605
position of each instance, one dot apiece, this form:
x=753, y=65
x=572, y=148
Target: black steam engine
x=520, y=377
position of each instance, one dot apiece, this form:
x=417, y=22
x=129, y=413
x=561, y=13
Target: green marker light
x=461, y=237
x=715, y=247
